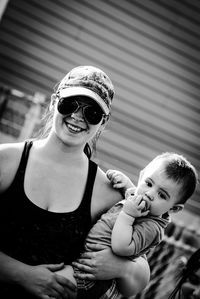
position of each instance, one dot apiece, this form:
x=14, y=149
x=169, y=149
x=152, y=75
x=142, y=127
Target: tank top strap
x=89, y=185
x=24, y=158
x=19, y=176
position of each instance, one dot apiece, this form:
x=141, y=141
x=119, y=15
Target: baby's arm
x=119, y=180
x=122, y=240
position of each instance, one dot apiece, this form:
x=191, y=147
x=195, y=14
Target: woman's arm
x=10, y=155
x=135, y=278
x=99, y=263
x=132, y=276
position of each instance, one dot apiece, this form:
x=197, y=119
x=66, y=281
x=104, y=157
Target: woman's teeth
x=73, y=128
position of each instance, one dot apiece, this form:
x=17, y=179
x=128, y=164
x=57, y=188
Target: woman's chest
x=53, y=189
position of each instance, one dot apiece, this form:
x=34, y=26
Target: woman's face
x=191, y=288
x=74, y=128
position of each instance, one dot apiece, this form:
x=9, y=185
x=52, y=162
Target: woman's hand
x=99, y=264
x=43, y=282
x=102, y=264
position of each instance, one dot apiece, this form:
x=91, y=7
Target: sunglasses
x=93, y=114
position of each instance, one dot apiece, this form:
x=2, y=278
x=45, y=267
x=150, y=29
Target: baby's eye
x=149, y=183
x=162, y=195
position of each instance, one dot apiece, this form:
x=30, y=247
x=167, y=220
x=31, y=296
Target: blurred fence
x=164, y=260
x=20, y=114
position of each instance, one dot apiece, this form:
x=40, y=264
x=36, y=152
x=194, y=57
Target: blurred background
x=149, y=48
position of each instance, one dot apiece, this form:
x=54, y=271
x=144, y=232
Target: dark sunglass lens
x=67, y=106
x=93, y=115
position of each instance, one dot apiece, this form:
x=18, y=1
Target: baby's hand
x=118, y=179
x=135, y=206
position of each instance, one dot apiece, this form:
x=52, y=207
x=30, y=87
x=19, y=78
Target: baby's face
x=159, y=192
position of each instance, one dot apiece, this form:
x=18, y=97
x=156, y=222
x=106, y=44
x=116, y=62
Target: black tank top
x=36, y=236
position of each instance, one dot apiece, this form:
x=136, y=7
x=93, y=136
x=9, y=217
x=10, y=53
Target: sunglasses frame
x=60, y=105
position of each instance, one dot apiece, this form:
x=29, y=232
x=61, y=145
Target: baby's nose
x=149, y=195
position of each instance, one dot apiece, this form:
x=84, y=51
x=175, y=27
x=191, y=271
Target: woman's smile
x=74, y=128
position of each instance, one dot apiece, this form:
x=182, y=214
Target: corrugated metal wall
x=149, y=48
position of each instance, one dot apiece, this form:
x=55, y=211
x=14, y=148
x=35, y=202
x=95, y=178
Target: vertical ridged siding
x=149, y=48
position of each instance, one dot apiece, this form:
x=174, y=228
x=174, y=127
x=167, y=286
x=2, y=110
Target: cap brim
x=82, y=91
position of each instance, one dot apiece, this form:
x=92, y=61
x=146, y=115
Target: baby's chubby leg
x=68, y=273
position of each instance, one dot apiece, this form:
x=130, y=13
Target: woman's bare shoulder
x=10, y=150
x=105, y=195
x=10, y=155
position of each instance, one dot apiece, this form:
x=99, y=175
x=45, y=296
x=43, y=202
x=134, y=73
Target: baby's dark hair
x=192, y=266
x=181, y=171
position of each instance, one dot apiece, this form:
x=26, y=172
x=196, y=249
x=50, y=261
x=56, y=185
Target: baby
x=136, y=224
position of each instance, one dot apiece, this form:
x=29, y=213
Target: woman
x=52, y=193
x=188, y=285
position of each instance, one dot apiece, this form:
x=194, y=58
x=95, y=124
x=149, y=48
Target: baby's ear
x=177, y=208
